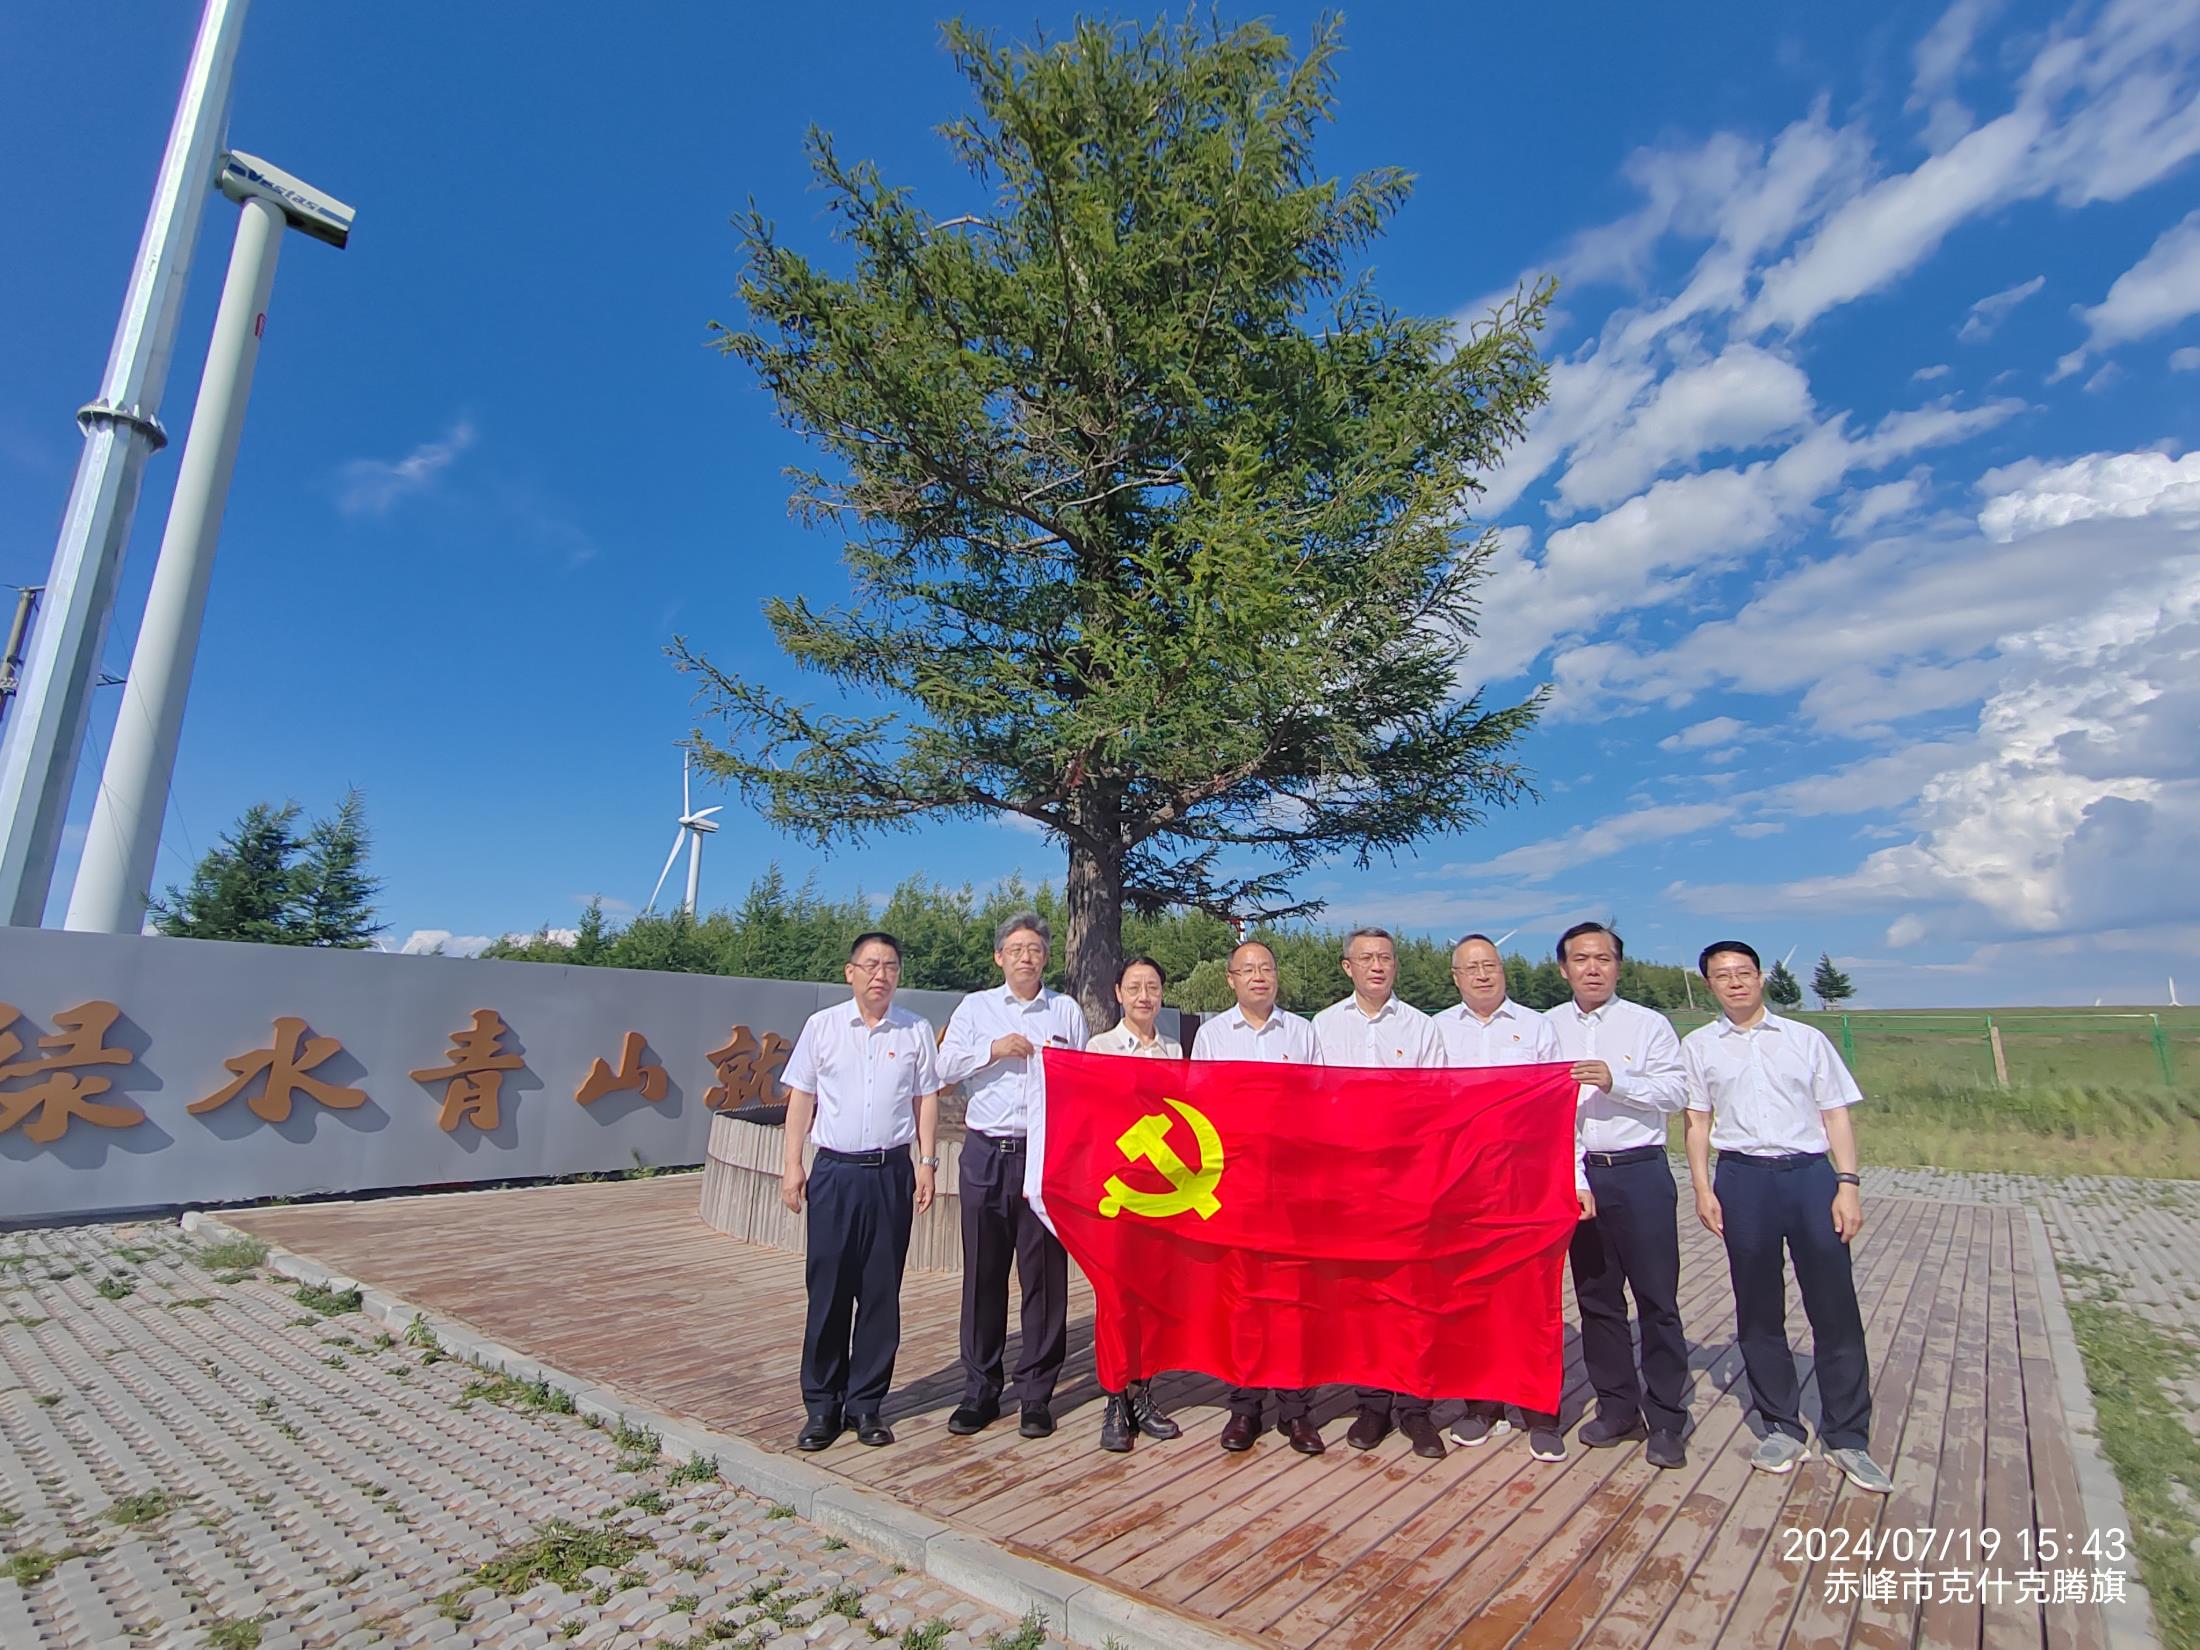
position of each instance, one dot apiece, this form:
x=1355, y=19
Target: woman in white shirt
x=1138, y=989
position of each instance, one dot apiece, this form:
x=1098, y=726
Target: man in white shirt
x=1489, y=1029
x=1373, y=1027
x=1773, y=1098
x=995, y=1047
x=1628, y=1063
x=1256, y=1029
x=862, y=1086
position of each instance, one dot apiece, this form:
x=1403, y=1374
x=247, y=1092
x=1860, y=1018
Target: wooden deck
x=622, y=1284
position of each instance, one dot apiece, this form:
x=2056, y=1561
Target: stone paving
x=190, y=1458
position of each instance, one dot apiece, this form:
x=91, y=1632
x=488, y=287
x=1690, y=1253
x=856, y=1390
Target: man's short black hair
x=1738, y=947
x=1469, y=939
x=881, y=937
x=1574, y=933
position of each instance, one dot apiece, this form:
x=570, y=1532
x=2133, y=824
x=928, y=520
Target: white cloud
x=1876, y=506
x=1990, y=311
x=1741, y=399
x=1891, y=227
x=1873, y=784
x=2185, y=360
x=2099, y=484
x=427, y=942
x=1925, y=375
x=1719, y=730
x=371, y=486
x=2161, y=288
x=1657, y=823
x=1940, y=55
x=1758, y=828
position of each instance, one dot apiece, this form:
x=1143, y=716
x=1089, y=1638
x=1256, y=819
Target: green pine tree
x=1156, y=512
x=1783, y=989
x=1829, y=984
x=334, y=898
x=244, y=888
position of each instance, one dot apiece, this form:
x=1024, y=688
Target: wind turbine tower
x=693, y=828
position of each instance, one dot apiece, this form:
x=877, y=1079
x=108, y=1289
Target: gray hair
x=1022, y=922
x=1383, y=934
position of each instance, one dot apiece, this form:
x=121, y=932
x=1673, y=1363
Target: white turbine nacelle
x=247, y=177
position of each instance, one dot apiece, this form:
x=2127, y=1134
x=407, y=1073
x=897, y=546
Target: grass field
x=2086, y=1094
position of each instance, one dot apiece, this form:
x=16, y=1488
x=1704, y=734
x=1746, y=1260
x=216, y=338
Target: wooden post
x=2001, y=1060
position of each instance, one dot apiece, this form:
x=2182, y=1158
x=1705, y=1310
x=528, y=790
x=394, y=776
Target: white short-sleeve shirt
x=1003, y=1096
x=867, y=1079
x=1765, y=1085
x=1513, y=1035
x=1285, y=1038
x=1397, y=1034
x=1648, y=1085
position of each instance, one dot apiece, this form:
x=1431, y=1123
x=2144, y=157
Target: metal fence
x=2101, y=1048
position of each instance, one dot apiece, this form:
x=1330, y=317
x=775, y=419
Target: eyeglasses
x=1254, y=971
x=892, y=965
x=1025, y=953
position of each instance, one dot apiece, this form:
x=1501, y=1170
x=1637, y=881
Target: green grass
x=34, y=1564
x=845, y=1600
x=2132, y=1367
x=330, y=1303
x=558, y=1552
x=930, y=1636
x=1030, y=1634
x=696, y=1469
x=231, y=1254
x=538, y=1395
x=650, y=1501
x=236, y=1635
x=114, y=1288
x=2150, y=1133
x=141, y=1509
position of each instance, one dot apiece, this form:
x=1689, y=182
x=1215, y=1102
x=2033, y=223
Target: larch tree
x=1156, y=514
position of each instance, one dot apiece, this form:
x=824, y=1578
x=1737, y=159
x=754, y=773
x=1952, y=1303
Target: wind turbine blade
x=1506, y=935
x=684, y=764
x=667, y=871
x=707, y=812
x=1790, y=957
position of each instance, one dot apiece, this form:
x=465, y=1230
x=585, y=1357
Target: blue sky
x=1860, y=539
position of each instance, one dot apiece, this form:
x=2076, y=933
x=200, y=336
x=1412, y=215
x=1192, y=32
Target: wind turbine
x=1506, y=935
x=693, y=828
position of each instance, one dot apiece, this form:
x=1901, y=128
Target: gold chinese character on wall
x=748, y=1070
x=286, y=1067
x=475, y=1075
x=636, y=1075
x=56, y=1093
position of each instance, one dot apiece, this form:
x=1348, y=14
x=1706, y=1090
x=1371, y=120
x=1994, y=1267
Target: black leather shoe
x=1038, y=1421
x=1603, y=1434
x=872, y=1429
x=1369, y=1428
x=1304, y=1435
x=818, y=1432
x=1115, y=1425
x=1147, y=1417
x=973, y=1416
x=1239, y=1432
x=1421, y=1433
x=1665, y=1450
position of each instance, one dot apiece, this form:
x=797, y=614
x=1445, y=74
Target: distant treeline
x=946, y=934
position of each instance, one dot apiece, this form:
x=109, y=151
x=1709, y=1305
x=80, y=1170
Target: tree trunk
x=1092, y=950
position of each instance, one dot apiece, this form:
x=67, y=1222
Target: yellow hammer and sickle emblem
x=1194, y=1189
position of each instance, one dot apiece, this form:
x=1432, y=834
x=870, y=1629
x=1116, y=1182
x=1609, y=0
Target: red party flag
x=1286, y=1225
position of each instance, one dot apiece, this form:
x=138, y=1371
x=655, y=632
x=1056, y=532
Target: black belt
x=875, y=1157
x=1772, y=1160
x=1613, y=1160
x=1001, y=1142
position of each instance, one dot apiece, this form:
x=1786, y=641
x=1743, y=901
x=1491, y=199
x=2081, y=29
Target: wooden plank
x=1484, y=1549
x=1621, y=1596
